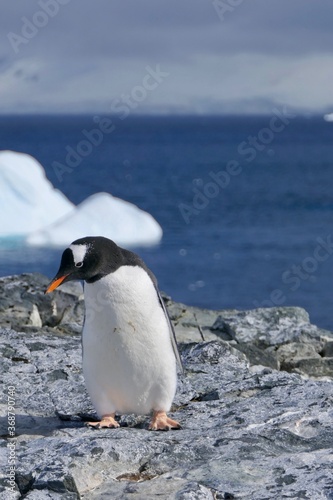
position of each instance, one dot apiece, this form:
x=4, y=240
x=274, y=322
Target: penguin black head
x=88, y=259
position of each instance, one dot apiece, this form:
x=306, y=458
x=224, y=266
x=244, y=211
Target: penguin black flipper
x=172, y=333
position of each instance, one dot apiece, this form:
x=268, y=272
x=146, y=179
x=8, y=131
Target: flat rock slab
x=247, y=432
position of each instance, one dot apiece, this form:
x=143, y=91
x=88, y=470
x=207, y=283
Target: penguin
x=129, y=344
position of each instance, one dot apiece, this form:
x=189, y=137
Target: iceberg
x=101, y=215
x=28, y=200
x=34, y=210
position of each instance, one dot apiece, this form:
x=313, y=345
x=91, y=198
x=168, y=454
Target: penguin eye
x=79, y=264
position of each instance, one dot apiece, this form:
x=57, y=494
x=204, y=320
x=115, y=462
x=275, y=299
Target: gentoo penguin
x=129, y=345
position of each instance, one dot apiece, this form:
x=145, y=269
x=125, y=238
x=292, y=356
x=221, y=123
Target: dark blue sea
x=247, y=211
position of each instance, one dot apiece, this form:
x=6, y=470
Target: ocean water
x=245, y=225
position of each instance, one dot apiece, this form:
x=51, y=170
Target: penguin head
x=87, y=259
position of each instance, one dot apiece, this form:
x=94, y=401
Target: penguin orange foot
x=107, y=421
x=161, y=422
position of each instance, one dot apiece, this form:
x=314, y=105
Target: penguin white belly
x=128, y=360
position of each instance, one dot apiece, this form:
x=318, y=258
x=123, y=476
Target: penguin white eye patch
x=79, y=253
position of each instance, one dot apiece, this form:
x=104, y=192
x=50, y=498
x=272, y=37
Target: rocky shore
x=255, y=405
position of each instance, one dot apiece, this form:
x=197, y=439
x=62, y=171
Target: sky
x=157, y=56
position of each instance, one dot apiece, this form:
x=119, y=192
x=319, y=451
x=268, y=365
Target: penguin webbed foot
x=107, y=421
x=161, y=422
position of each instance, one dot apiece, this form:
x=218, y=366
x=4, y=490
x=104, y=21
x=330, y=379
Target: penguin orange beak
x=55, y=283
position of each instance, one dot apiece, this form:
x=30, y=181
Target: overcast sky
x=211, y=56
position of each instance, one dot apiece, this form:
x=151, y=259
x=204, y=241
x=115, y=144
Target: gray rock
x=289, y=355
x=267, y=326
x=278, y=337
x=24, y=305
x=263, y=335
x=257, y=356
x=314, y=367
x=247, y=433
x=328, y=349
x=249, y=430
